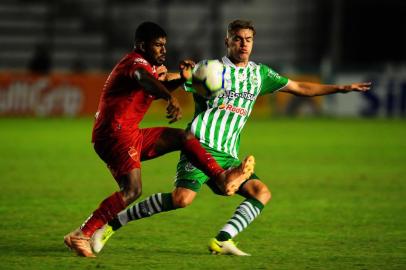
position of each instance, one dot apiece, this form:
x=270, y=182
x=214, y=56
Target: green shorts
x=188, y=176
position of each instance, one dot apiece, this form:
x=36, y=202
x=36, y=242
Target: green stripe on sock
x=167, y=203
x=223, y=236
x=256, y=203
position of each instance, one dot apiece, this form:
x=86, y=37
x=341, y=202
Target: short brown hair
x=240, y=24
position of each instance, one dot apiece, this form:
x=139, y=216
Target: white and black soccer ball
x=210, y=77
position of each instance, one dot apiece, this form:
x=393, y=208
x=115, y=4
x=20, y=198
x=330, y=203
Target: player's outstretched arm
x=174, y=80
x=308, y=89
x=157, y=89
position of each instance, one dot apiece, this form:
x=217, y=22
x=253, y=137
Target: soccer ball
x=209, y=76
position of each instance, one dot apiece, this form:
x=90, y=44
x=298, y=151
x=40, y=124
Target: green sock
x=245, y=213
x=154, y=204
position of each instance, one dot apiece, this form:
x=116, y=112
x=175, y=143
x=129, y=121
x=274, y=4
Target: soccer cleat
x=100, y=237
x=225, y=248
x=79, y=243
x=238, y=175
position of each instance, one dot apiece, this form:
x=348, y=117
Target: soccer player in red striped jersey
x=127, y=94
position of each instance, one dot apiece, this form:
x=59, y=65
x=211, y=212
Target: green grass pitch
x=338, y=186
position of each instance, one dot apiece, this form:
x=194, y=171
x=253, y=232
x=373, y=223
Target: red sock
x=108, y=210
x=200, y=158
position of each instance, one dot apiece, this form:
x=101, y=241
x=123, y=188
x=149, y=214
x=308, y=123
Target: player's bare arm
x=174, y=80
x=308, y=89
x=156, y=88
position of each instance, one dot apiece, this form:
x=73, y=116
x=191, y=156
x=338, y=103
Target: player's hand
x=359, y=87
x=185, y=68
x=173, y=110
x=162, y=71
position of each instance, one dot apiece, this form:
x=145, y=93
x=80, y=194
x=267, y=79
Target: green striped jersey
x=218, y=121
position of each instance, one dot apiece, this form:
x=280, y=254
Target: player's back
x=123, y=102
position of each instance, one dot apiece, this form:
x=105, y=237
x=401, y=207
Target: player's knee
x=264, y=194
x=181, y=201
x=259, y=191
x=131, y=195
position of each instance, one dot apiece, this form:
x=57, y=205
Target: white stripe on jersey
x=241, y=122
x=235, y=116
x=222, y=130
x=214, y=123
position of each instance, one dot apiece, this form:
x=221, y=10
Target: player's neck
x=143, y=54
x=238, y=63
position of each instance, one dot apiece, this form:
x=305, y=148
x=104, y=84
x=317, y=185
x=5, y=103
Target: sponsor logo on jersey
x=232, y=95
x=273, y=74
x=234, y=109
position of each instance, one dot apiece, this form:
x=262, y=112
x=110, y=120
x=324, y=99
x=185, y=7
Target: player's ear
x=226, y=41
x=142, y=46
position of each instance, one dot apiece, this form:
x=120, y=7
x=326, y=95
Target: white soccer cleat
x=100, y=237
x=225, y=248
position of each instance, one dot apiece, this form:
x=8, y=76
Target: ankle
x=223, y=236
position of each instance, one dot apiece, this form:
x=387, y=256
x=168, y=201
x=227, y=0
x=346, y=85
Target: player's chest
x=242, y=80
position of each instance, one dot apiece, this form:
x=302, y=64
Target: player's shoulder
x=263, y=66
x=268, y=71
x=254, y=65
x=137, y=58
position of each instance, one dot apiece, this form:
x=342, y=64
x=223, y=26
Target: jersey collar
x=228, y=62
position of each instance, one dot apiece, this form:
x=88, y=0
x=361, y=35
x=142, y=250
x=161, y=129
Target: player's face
x=156, y=51
x=239, y=45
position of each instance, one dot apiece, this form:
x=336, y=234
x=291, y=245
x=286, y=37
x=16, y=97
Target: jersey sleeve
x=271, y=80
x=137, y=63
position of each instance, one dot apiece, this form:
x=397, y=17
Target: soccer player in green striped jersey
x=218, y=123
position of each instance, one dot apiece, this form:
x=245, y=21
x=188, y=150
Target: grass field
x=339, y=199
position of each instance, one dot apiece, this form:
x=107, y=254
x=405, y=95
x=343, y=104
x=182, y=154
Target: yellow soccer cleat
x=225, y=248
x=100, y=237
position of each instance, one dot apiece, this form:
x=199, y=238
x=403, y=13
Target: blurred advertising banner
x=78, y=95
x=387, y=97
x=53, y=95
x=62, y=95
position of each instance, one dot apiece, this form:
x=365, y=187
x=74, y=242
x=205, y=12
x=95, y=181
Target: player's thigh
x=188, y=176
x=158, y=141
x=121, y=154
